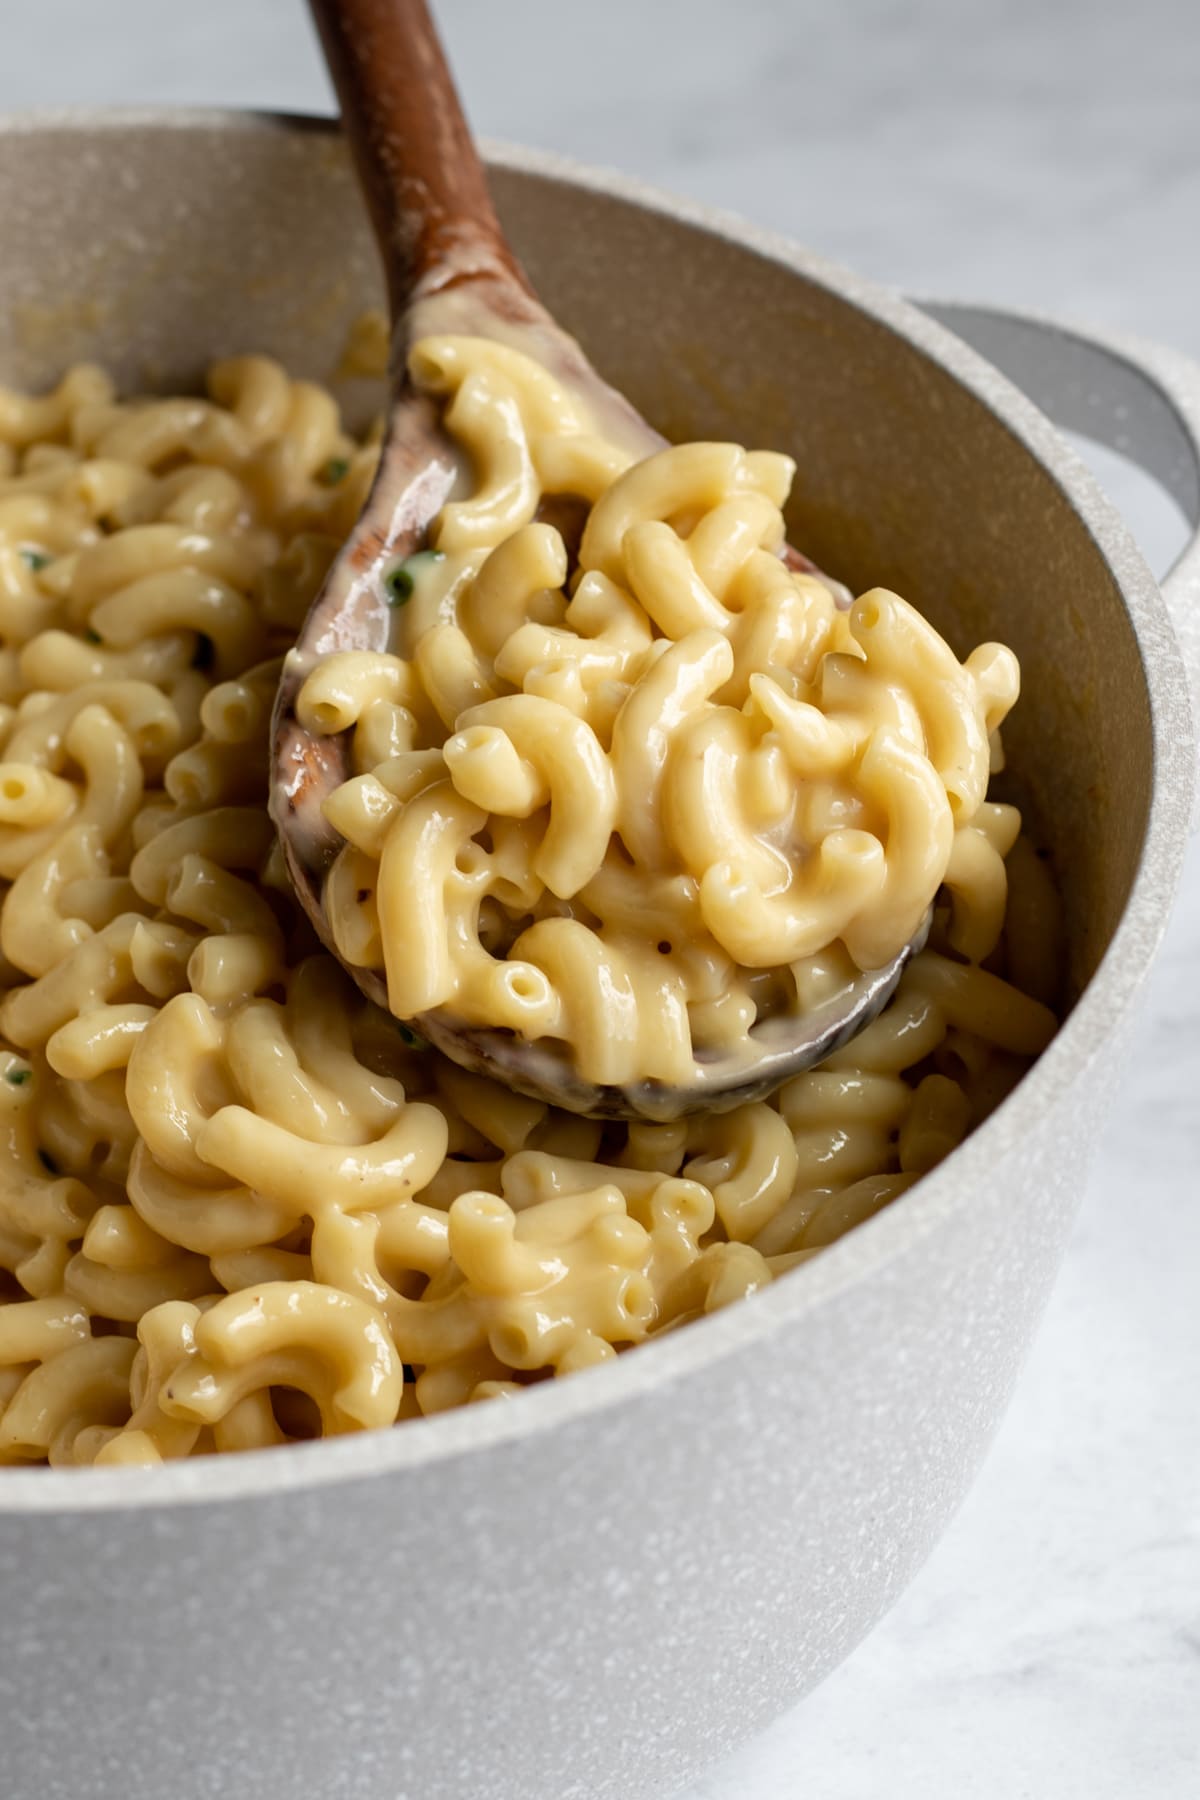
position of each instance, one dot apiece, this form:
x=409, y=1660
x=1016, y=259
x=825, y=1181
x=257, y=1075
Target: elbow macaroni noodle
x=237, y=1205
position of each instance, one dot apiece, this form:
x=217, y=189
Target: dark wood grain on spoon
x=449, y=269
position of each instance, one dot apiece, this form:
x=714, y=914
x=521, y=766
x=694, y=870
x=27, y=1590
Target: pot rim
x=888, y=1236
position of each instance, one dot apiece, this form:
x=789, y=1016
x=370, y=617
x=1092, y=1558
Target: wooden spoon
x=450, y=269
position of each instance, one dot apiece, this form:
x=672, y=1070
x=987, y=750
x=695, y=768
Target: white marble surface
x=1045, y=153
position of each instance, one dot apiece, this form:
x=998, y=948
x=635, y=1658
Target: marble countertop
x=1045, y=153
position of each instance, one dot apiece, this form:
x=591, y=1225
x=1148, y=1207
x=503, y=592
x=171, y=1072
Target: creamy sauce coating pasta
x=641, y=787
x=236, y=1207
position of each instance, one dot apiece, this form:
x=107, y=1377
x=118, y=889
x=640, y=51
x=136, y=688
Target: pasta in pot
x=639, y=794
x=238, y=1205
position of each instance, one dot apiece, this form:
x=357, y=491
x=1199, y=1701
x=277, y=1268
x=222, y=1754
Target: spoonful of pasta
x=581, y=771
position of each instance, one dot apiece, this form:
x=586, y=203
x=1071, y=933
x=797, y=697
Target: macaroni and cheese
x=239, y=1204
x=639, y=793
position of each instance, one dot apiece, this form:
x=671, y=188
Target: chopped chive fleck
x=335, y=470
x=92, y=637
x=412, y=1040
x=202, y=655
x=401, y=580
x=35, y=559
x=18, y=1077
x=399, y=585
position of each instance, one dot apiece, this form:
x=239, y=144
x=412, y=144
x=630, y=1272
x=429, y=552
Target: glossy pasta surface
x=236, y=1206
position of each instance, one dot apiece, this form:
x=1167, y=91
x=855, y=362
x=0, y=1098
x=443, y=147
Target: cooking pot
x=595, y=1590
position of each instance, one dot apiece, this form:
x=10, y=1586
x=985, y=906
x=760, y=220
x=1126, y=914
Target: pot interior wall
x=154, y=249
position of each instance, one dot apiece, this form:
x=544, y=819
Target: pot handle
x=1133, y=396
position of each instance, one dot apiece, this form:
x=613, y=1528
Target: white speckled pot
x=597, y=1589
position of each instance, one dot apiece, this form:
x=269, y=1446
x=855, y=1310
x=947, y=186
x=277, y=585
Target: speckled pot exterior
x=596, y=1590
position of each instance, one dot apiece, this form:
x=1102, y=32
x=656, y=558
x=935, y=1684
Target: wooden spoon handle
x=416, y=161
